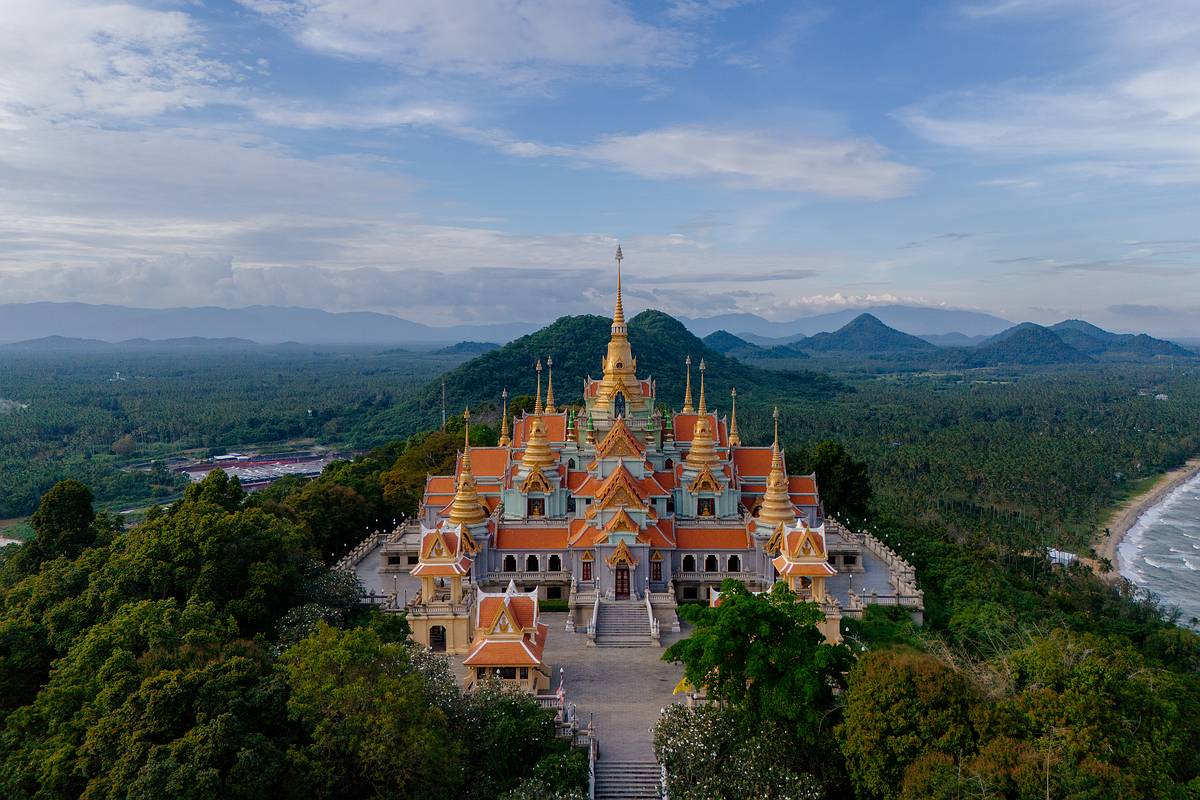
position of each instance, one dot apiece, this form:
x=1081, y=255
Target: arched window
x=670, y=464
x=619, y=405
x=734, y=564
x=510, y=563
x=531, y=563
x=555, y=563
x=571, y=504
x=710, y=563
x=570, y=463
x=671, y=504
x=689, y=563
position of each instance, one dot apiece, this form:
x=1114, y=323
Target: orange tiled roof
x=712, y=538
x=439, y=484
x=752, y=461
x=460, y=567
x=522, y=608
x=666, y=479
x=486, y=462
x=802, y=484
x=524, y=652
x=660, y=534
x=556, y=429
x=514, y=538
x=809, y=568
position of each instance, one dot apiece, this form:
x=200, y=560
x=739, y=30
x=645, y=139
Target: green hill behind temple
x=578, y=344
x=866, y=334
x=1025, y=344
x=1087, y=338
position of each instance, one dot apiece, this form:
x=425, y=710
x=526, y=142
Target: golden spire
x=550, y=386
x=618, y=311
x=537, y=447
x=734, y=439
x=703, y=451
x=466, y=508
x=777, y=504
x=619, y=364
x=537, y=401
x=687, y=393
x=505, y=439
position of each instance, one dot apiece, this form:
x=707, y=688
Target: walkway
x=622, y=688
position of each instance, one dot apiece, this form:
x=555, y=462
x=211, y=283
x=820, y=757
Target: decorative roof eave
x=621, y=556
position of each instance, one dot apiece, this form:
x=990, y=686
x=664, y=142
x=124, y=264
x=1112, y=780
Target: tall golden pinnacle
x=550, y=386
x=687, y=392
x=505, y=439
x=619, y=365
x=703, y=451
x=777, y=504
x=618, y=311
x=466, y=508
x=734, y=439
x=537, y=401
x=537, y=447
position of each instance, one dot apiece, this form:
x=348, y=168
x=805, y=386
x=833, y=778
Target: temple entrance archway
x=621, y=589
x=437, y=639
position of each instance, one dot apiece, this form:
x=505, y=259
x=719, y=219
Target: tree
x=337, y=517
x=217, y=488
x=369, y=727
x=763, y=655
x=842, y=480
x=900, y=705
x=63, y=523
x=713, y=753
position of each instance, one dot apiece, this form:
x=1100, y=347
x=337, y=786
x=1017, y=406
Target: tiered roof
x=508, y=633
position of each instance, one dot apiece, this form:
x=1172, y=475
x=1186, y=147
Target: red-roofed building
x=682, y=507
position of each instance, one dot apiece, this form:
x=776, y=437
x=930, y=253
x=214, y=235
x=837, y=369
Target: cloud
x=505, y=40
x=1131, y=114
x=63, y=59
x=749, y=159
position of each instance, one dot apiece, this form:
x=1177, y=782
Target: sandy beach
x=1127, y=514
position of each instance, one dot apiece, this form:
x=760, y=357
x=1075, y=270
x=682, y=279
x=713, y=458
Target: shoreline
x=1127, y=514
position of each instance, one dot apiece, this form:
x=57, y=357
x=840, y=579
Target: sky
x=471, y=160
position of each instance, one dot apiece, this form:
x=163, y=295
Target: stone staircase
x=623, y=623
x=627, y=780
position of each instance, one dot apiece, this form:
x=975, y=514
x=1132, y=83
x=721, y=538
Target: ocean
x=1161, y=552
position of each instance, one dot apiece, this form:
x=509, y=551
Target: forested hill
x=578, y=344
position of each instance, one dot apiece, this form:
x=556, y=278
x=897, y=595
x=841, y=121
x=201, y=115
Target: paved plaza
x=623, y=688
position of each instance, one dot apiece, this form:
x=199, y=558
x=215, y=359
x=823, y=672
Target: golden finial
x=550, y=386
x=466, y=508
x=505, y=439
x=777, y=503
x=687, y=392
x=734, y=439
x=703, y=450
x=618, y=311
x=537, y=401
x=537, y=447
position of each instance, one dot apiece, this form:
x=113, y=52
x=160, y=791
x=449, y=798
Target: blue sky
x=479, y=159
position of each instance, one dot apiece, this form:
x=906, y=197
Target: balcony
x=540, y=576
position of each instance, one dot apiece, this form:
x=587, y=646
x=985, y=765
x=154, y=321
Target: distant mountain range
x=264, y=324
x=866, y=336
x=893, y=329
x=916, y=320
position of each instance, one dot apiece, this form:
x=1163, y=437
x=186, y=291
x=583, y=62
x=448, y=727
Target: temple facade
x=621, y=500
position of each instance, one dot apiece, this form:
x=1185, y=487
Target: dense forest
x=106, y=417
x=208, y=651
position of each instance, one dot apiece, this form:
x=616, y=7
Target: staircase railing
x=654, y=632
x=591, y=631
